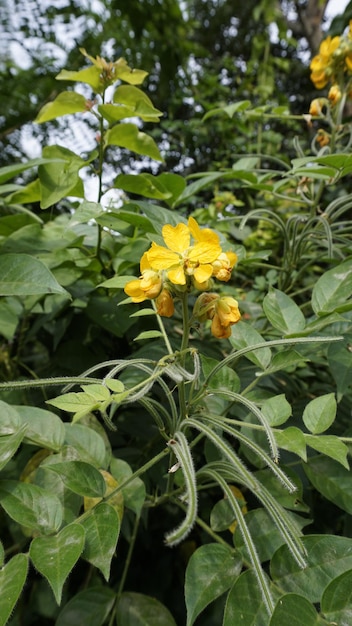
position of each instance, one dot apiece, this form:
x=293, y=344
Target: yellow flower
x=218, y=330
x=182, y=260
x=321, y=63
x=226, y=308
x=165, y=304
x=223, y=265
x=221, y=310
x=316, y=106
x=334, y=94
x=322, y=137
x=147, y=286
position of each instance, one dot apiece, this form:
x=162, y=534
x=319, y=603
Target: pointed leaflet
x=90, y=607
x=54, y=557
x=283, y=313
x=320, y=413
x=65, y=103
x=10, y=420
x=245, y=604
x=136, y=609
x=332, y=480
x=244, y=335
x=333, y=290
x=79, y=476
x=31, y=506
x=60, y=179
x=336, y=603
x=102, y=529
x=12, y=578
x=24, y=275
x=44, y=428
x=129, y=136
x=294, y=610
x=327, y=557
x=211, y=570
x=9, y=444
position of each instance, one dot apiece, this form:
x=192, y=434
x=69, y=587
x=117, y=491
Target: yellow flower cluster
x=332, y=63
x=192, y=257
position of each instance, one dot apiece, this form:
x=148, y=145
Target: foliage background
x=200, y=56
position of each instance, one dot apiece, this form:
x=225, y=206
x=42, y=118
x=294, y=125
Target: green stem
x=162, y=330
x=48, y=382
x=184, y=347
x=129, y=557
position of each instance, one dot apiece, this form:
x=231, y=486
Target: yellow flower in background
x=182, y=260
x=316, y=106
x=321, y=64
x=334, y=94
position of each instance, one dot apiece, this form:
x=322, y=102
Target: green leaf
x=245, y=604
x=10, y=420
x=85, y=212
x=225, y=378
x=332, y=480
x=65, y=103
x=90, y=607
x=320, y=413
x=229, y=109
x=12, y=578
x=54, y=557
x=90, y=75
x=44, y=428
x=102, y=528
x=292, y=439
x=148, y=334
x=331, y=446
x=221, y=516
x=336, y=603
x=24, y=275
x=283, y=360
x=332, y=292
x=283, y=313
x=129, y=136
x=174, y=184
x=244, y=335
x=142, y=184
x=9, y=445
x=89, y=444
x=327, y=557
x=60, y=179
x=10, y=171
x=210, y=572
x=31, y=506
x=295, y=610
x=78, y=476
x=136, y=609
x=75, y=402
x=134, y=493
x=340, y=364
x=276, y=410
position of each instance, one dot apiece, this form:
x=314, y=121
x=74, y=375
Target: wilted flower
x=223, y=312
x=316, y=106
x=165, y=304
x=322, y=137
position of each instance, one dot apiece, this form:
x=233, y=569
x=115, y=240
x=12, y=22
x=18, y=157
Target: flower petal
x=177, y=238
x=161, y=258
x=204, y=252
x=203, y=273
x=202, y=234
x=177, y=276
x=133, y=289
